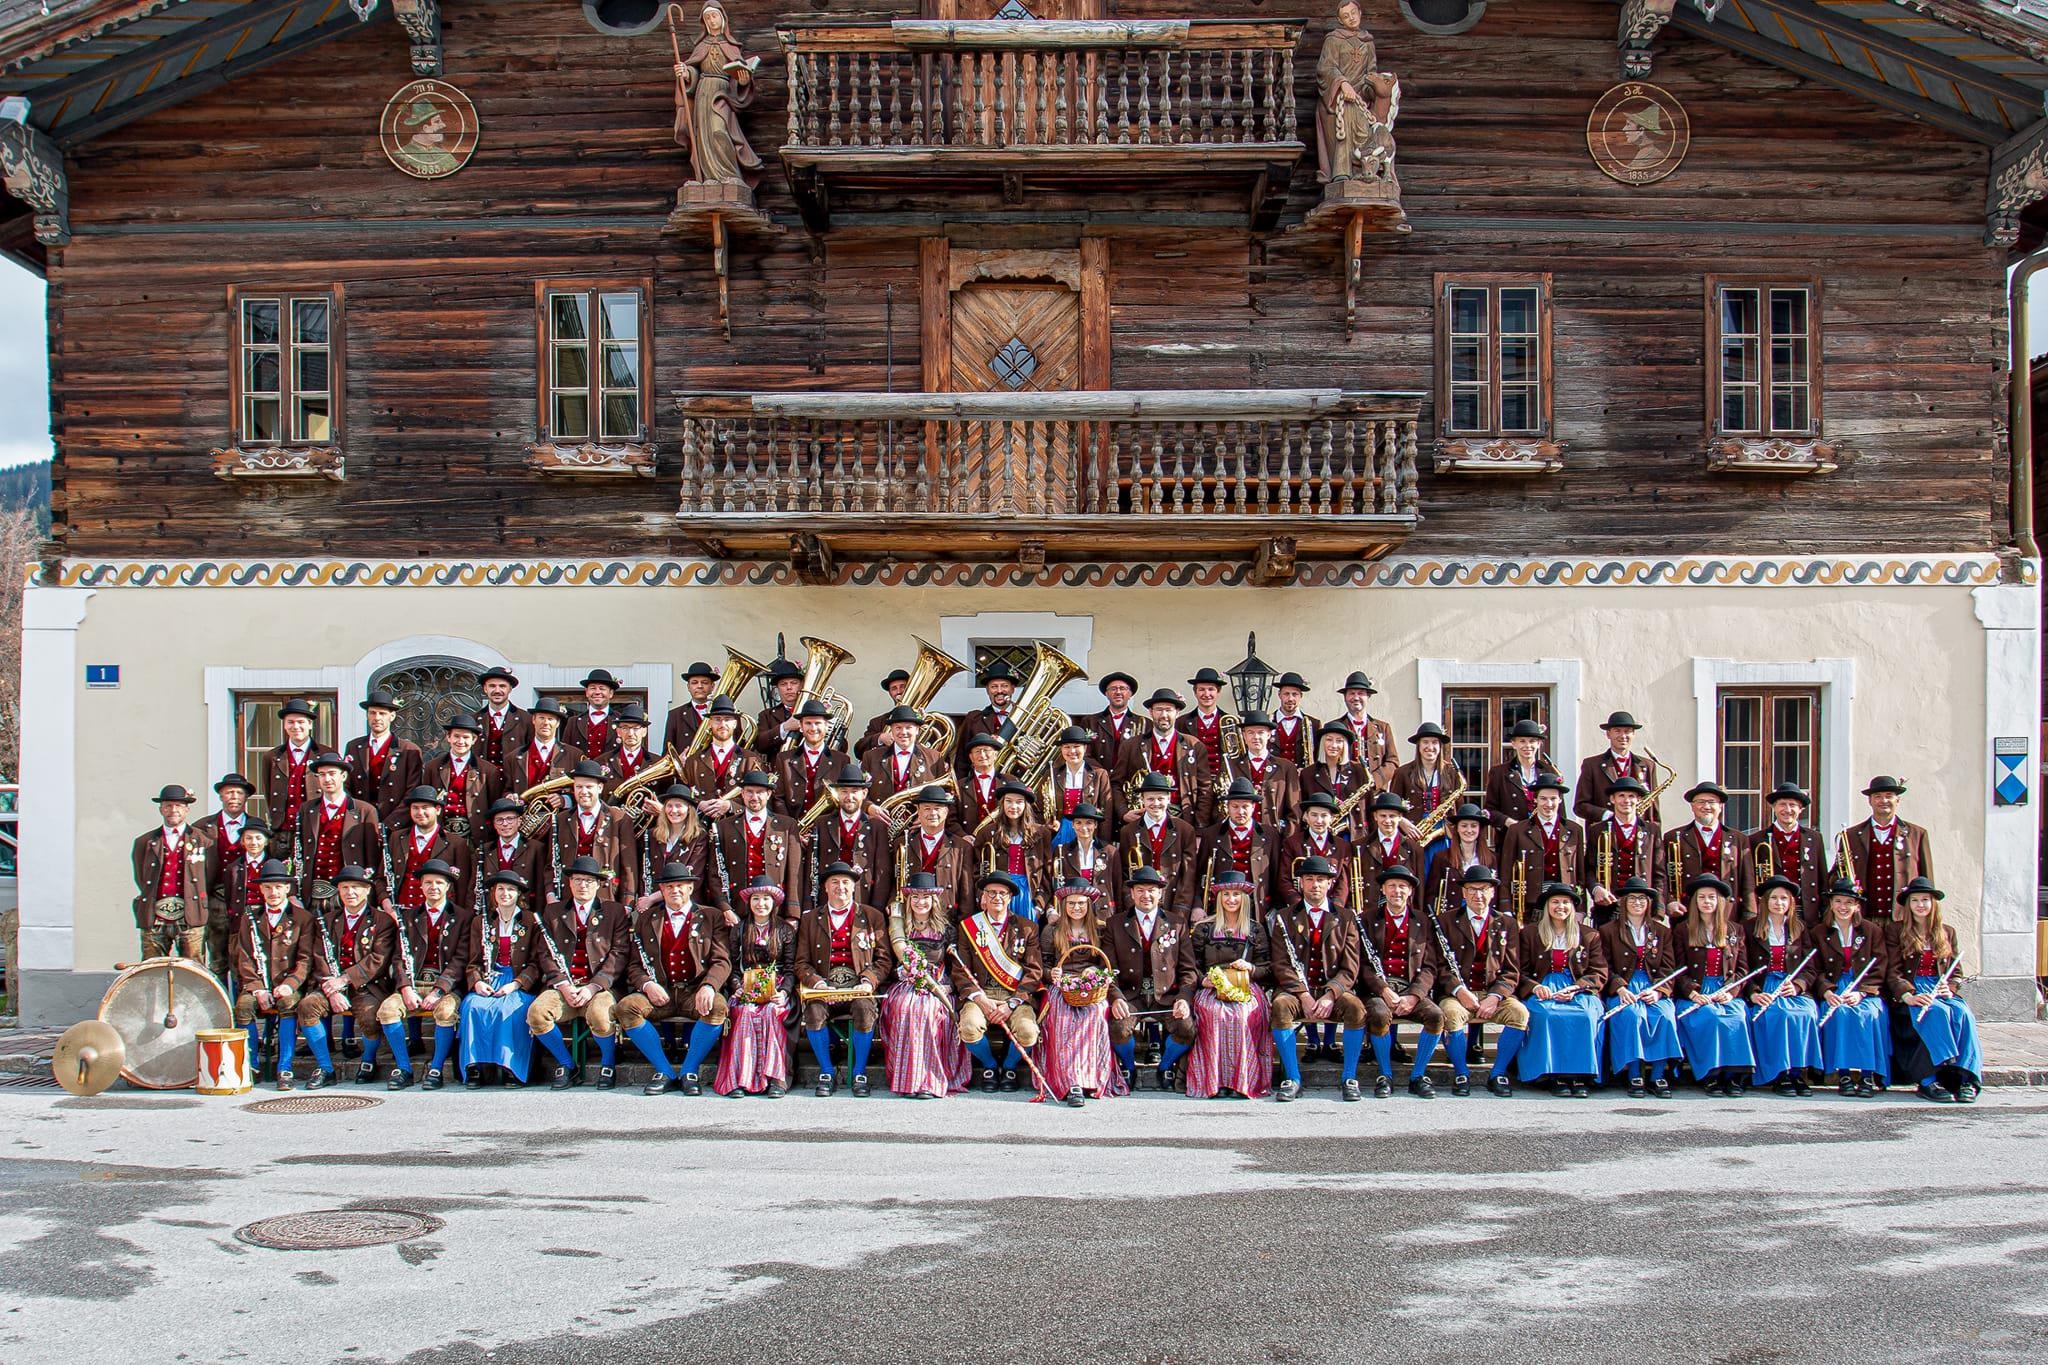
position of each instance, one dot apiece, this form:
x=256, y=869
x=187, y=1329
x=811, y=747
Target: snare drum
x=224, y=1062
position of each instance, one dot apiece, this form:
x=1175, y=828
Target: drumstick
x=1044, y=1086
x=171, y=987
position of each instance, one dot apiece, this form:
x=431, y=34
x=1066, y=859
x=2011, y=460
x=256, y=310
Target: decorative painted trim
x=421, y=20
x=1772, y=455
x=280, y=462
x=548, y=457
x=1501, y=455
x=32, y=170
x=1788, y=571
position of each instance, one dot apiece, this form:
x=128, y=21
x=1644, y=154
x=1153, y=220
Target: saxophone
x=1432, y=825
x=1670, y=776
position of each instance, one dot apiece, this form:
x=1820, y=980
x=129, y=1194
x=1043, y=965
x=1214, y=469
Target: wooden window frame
x=1490, y=449
x=593, y=453
x=1767, y=451
x=1766, y=744
x=248, y=762
x=289, y=456
x=1497, y=743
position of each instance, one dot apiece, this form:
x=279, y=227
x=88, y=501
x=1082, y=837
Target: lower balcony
x=1263, y=475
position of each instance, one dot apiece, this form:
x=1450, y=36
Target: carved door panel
x=1015, y=338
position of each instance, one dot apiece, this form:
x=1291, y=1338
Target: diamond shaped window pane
x=1014, y=363
x=1013, y=10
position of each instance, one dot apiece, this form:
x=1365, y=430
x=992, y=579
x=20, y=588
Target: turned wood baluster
x=1233, y=98
x=1289, y=125
x=798, y=67
x=1144, y=73
x=692, y=499
x=1062, y=66
x=896, y=101
x=835, y=71
x=1123, y=97
x=1407, y=501
x=978, y=136
x=1186, y=130
x=1166, y=123
x=1326, y=493
x=1287, y=493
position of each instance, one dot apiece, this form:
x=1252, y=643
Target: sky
x=24, y=388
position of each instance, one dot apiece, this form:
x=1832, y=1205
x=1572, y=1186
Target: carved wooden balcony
x=1264, y=474
x=960, y=106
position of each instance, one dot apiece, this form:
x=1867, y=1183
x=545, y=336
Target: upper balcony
x=944, y=105
x=1257, y=474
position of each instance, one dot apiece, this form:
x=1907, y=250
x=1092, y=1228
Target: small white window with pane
x=1494, y=375
x=595, y=414
x=1764, y=377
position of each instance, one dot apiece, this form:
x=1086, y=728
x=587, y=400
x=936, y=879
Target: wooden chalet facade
x=1669, y=376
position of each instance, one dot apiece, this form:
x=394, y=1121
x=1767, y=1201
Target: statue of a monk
x=713, y=84
x=1356, y=107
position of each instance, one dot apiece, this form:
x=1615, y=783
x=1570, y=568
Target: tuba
x=739, y=671
x=933, y=667
x=629, y=792
x=1035, y=739
x=818, y=668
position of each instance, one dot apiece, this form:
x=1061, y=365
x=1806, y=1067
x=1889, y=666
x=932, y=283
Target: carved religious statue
x=1355, y=113
x=713, y=84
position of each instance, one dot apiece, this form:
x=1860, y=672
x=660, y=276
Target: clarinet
x=555, y=857
x=640, y=946
x=1372, y=954
x=1293, y=958
x=540, y=921
x=718, y=853
x=405, y=961
x=1443, y=943
x=817, y=863
x=476, y=899
x=390, y=882
x=327, y=942
x=256, y=943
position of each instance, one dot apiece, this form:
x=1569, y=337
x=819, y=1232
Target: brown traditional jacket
x=1732, y=866
x=1693, y=957
x=923, y=768
x=710, y=951
x=403, y=767
x=781, y=860
x=1194, y=788
x=1656, y=958
x=1178, y=858
x=1802, y=858
x=1587, y=963
x=275, y=957
x=398, y=846
x=480, y=953
x=1018, y=938
x=1279, y=784
x=1523, y=845
x=603, y=940
x=952, y=863
x=361, y=843
x=362, y=959
x=1421, y=962
x=1488, y=967
x=1912, y=856
x=791, y=798
x=615, y=843
x=483, y=784
x=438, y=958
x=1168, y=962
x=871, y=854
x=872, y=959
x=1331, y=956
x=1597, y=776
x=1218, y=856
x=1867, y=947
x=701, y=773
x=200, y=857
x=1106, y=876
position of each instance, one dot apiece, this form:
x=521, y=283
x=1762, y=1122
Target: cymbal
x=89, y=1057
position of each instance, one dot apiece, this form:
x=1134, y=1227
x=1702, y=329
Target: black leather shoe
x=400, y=1080
x=660, y=1085
x=1930, y=1091
x=1461, y=1086
x=1012, y=1081
x=1967, y=1092
x=565, y=1079
x=1131, y=1080
x=860, y=1085
x=1580, y=1090
x=320, y=1079
x=607, y=1078
x=1660, y=1088
x=1738, y=1086
x=1501, y=1086
x=366, y=1073
x=1636, y=1089
x=774, y=1091
x=435, y=1080
x=828, y=1081
x=1800, y=1087
x=1846, y=1087
x=1287, y=1091
x=1169, y=1078
x=1351, y=1093
x=284, y=1081
x=1382, y=1086
x=990, y=1083
x=1866, y=1088
x=1421, y=1089
x=1074, y=1099
x=1714, y=1087
x=690, y=1085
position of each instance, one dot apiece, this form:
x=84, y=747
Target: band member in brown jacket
x=501, y=966
x=1338, y=775
x=273, y=953
x=588, y=828
x=382, y=768
x=1313, y=836
x=1599, y=772
x=1398, y=980
x=418, y=840
x=1077, y=780
x=175, y=868
x=1621, y=848
x=1160, y=840
x=335, y=830
x=753, y=842
x=997, y=971
x=505, y=849
x=1480, y=975
x=1643, y=1032
x=1315, y=976
x=1511, y=785
x=1704, y=847
x=1155, y=966
x=853, y=835
x=842, y=945
x=1884, y=853
x=426, y=965
x=468, y=783
x=1088, y=857
x=1547, y=847
x=678, y=959
x=352, y=954
x=1788, y=847
x=1161, y=750
x=583, y=951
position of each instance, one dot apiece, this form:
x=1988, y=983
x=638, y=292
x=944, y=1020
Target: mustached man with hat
x=288, y=768
x=1163, y=750
x=1294, y=729
x=1705, y=847
x=1883, y=854
x=352, y=955
x=1373, y=742
x=1786, y=846
x=382, y=768
x=1109, y=728
x=594, y=729
x=175, y=869
x=504, y=734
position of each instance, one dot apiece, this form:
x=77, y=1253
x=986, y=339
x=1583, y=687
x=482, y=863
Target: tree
x=20, y=544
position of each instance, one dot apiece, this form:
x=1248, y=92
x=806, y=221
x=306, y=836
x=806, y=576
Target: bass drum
x=158, y=1058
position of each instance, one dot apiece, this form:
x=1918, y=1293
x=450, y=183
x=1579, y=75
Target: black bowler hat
x=631, y=714
x=895, y=675
x=1086, y=810
x=998, y=672
x=254, y=826
x=1549, y=782
x=353, y=873
x=1773, y=883
x=1526, y=729
x=988, y=879
x=1126, y=679
x=507, y=805
x=813, y=709
x=903, y=715
x=235, y=780
x=1789, y=791
x=1704, y=881
x=1429, y=729
x=423, y=792
x=721, y=705
x=380, y=699
x=549, y=706
x=1241, y=789
x=1314, y=866
x=439, y=867
x=589, y=770
x=175, y=793
x=503, y=675
x=676, y=791
x=934, y=795
x=1620, y=720
x=1845, y=887
x=1255, y=720
x=1706, y=789
x=1075, y=734
x=1885, y=784
x=1469, y=811
x=1389, y=801
x=274, y=871
x=1340, y=730
x=1479, y=874
x=1356, y=681
x=1627, y=784
x=1636, y=886
x=1011, y=787
x=599, y=675
x=297, y=707
x=675, y=872
x=700, y=669
x=505, y=876
x=981, y=740
x=1210, y=676
x=1398, y=872
x=462, y=720
x=922, y=881
x=1146, y=876
x=330, y=759
x=1291, y=679
x=757, y=778
x=584, y=866
x=1921, y=886
x=1165, y=696
x=782, y=668
x=1319, y=801
x=1155, y=782
x=852, y=775
x=1564, y=889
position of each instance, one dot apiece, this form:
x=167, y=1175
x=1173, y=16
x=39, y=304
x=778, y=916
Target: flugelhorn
x=739, y=671
x=1035, y=739
x=824, y=658
x=933, y=667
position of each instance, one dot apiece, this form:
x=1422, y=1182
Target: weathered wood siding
x=278, y=180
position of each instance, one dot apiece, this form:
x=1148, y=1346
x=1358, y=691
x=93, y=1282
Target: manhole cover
x=337, y=1229
x=312, y=1104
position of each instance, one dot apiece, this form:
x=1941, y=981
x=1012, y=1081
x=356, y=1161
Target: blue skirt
x=494, y=1028
x=1642, y=1033
x=1716, y=1036
x=1859, y=1037
x=1786, y=1034
x=1949, y=1031
x=1564, y=1035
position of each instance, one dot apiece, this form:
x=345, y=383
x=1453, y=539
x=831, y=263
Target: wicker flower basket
x=1082, y=987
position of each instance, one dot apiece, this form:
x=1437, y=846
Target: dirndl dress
x=1946, y=1030
x=1642, y=1033
x=1785, y=1035
x=755, y=1049
x=920, y=1041
x=1233, y=1047
x=1073, y=1049
x=1716, y=1037
x=1564, y=1035
x=494, y=1029
x=1858, y=1037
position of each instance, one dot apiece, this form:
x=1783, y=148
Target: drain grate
x=336, y=1229
x=312, y=1104
x=30, y=1080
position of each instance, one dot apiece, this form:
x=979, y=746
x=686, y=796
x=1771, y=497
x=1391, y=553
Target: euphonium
x=824, y=658
x=538, y=812
x=902, y=807
x=739, y=671
x=933, y=667
x=1035, y=739
x=628, y=793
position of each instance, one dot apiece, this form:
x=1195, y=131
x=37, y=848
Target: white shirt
x=1316, y=913
x=173, y=837
x=1883, y=833
x=421, y=838
x=583, y=914
x=755, y=823
x=1147, y=921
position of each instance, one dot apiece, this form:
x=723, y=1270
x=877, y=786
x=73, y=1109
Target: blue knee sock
x=821, y=1047
x=648, y=1039
x=401, y=1058
x=1013, y=1060
x=1290, y=1054
x=984, y=1052
x=1383, y=1052
x=553, y=1041
x=1657, y=1070
x=1127, y=1054
x=255, y=1032
x=607, y=1049
x=703, y=1037
x=1456, y=1043
x=1171, y=1054
x=1354, y=1043
x=287, y=1042
x=316, y=1039
x=1425, y=1048
x=371, y=1042
x=859, y=1043
x=444, y=1045
x=1511, y=1040
x=1633, y=1070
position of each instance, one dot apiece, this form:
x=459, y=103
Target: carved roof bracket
x=2018, y=181
x=32, y=170
x=421, y=20
x=1641, y=21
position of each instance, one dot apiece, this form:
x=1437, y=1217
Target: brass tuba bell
x=825, y=657
x=933, y=667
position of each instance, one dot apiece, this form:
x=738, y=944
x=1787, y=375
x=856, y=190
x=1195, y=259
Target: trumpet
x=902, y=807
x=933, y=667
x=739, y=671
x=825, y=657
x=1034, y=742
x=538, y=811
x=1843, y=861
x=1764, y=860
x=1521, y=888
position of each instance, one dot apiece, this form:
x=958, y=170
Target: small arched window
x=622, y=18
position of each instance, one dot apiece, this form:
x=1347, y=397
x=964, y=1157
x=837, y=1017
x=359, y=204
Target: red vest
x=757, y=849
x=415, y=859
x=327, y=848
x=675, y=951
x=171, y=881
x=1395, y=959
x=842, y=938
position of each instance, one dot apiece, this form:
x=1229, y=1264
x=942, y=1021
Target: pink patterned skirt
x=1073, y=1049
x=755, y=1050
x=920, y=1045
x=1233, y=1047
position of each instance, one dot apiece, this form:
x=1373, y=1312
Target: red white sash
x=1006, y=970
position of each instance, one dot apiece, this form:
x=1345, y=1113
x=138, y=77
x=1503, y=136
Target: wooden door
x=1017, y=9
x=1015, y=338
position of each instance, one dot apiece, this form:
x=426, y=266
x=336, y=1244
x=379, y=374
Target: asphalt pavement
x=593, y=1227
